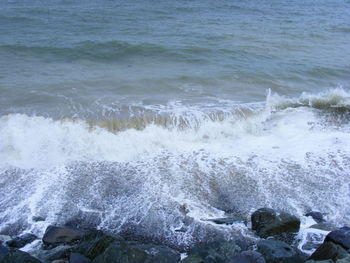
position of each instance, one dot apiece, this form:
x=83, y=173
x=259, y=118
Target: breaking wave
x=166, y=178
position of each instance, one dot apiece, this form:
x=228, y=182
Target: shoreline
x=277, y=233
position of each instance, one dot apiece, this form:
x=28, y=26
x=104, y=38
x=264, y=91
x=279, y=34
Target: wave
x=333, y=99
x=175, y=115
x=173, y=180
x=146, y=130
x=108, y=51
x=17, y=19
x=111, y=51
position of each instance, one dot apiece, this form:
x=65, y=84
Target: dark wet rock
x=182, y=229
x=21, y=240
x=78, y=258
x=328, y=250
x=219, y=251
x=38, y=218
x=184, y=209
x=48, y=255
x=61, y=235
x=279, y=252
x=345, y=259
x=94, y=243
x=84, y=220
x=268, y=222
x=192, y=259
x=324, y=226
x=60, y=261
x=226, y=221
x=317, y=216
x=3, y=251
x=340, y=237
x=248, y=257
x=159, y=254
x=322, y=261
x=17, y=256
x=119, y=251
x=288, y=238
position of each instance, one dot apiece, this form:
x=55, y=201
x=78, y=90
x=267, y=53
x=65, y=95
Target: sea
x=148, y=118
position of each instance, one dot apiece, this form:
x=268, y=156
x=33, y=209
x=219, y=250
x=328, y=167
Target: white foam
x=31, y=142
x=288, y=158
x=307, y=234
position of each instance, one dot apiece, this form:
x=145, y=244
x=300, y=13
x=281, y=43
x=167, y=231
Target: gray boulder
x=329, y=250
x=248, y=257
x=324, y=226
x=56, y=253
x=78, y=258
x=268, y=222
x=317, y=216
x=94, y=243
x=159, y=254
x=216, y=252
x=17, y=256
x=340, y=237
x=119, y=251
x=192, y=259
x=61, y=235
x=345, y=259
x=322, y=261
x=21, y=240
x=60, y=261
x=279, y=252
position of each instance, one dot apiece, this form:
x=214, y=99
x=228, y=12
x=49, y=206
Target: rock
x=346, y=259
x=118, y=251
x=94, y=243
x=48, y=255
x=61, y=235
x=160, y=254
x=248, y=257
x=317, y=216
x=3, y=251
x=288, y=238
x=328, y=250
x=340, y=237
x=322, y=261
x=279, y=252
x=323, y=226
x=78, y=258
x=21, y=240
x=267, y=222
x=38, y=218
x=225, y=221
x=60, y=261
x=4, y=238
x=18, y=256
x=192, y=259
x=219, y=251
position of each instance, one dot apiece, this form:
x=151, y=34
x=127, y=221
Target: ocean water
x=149, y=117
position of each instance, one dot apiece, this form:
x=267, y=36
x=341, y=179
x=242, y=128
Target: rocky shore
x=277, y=232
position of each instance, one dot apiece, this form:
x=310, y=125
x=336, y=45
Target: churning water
x=150, y=117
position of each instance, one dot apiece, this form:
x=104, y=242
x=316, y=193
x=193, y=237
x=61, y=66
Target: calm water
x=150, y=106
